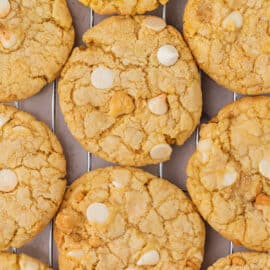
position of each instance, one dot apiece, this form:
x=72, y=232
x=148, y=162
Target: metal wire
x=53, y=127
x=160, y=167
x=89, y=155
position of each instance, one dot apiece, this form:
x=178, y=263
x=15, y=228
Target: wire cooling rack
x=45, y=107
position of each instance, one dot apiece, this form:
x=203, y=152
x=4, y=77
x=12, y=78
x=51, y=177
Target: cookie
x=132, y=92
x=117, y=217
x=229, y=173
x=243, y=260
x=231, y=41
x=123, y=7
x=32, y=171
x=36, y=38
x=10, y=261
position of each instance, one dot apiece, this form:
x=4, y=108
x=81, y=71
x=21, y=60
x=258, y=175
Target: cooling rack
x=45, y=107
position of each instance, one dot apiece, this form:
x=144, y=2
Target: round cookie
x=231, y=41
x=36, y=38
x=32, y=171
x=243, y=260
x=229, y=173
x=123, y=7
x=132, y=92
x=10, y=261
x=117, y=216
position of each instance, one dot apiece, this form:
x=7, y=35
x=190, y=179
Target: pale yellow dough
x=123, y=7
x=36, y=37
x=230, y=40
x=132, y=92
x=32, y=171
x=20, y=262
x=229, y=173
x=123, y=218
x=243, y=260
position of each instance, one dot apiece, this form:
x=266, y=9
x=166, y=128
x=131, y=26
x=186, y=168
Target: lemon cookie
x=32, y=171
x=132, y=92
x=229, y=173
x=243, y=260
x=20, y=262
x=36, y=38
x=124, y=6
x=118, y=217
x=231, y=41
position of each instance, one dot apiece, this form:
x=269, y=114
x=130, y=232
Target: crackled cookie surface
x=36, y=37
x=132, y=92
x=231, y=41
x=119, y=217
x=229, y=173
x=32, y=171
x=243, y=260
x=20, y=262
x=123, y=6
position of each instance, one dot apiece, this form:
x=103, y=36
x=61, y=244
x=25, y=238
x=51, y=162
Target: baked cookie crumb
x=10, y=261
x=106, y=7
x=132, y=92
x=117, y=217
x=231, y=42
x=32, y=177
x=229, y=173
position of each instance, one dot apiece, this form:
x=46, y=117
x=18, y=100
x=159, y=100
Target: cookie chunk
x=20, y=262
x=123, y=7
x=231, y=41
x=132, y=92
x=32, y=171
x=118, y=217
x=229, y=173
x=243, y=260
x=36, y=38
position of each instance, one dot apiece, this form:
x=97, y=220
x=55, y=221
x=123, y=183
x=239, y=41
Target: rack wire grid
x=79, y=161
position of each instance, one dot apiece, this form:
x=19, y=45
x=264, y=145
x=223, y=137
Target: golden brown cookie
x=123, y=7
x=231, y=41
x=126, y=218
x=36, y=38
x=132, y=92
x=243, y=260
x=229, y=173
x=32, y=171
x=20, y=262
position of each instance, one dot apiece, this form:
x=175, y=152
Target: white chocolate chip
x=20, y=129
x=149, y=258
x=117, y=184
x=167, y=55
x=102, y=78
x=233, y=20
x=29, y=265
x=97, y=212
x=155, y=23
x=3, y=120
x=131, y=268
x=158, y=105
x=8, y=39
x=161, y=151
x=264, y=168
x=4, y=8
x=204, y=147
x=76, y=253
x=229, y=178
x=8, y=180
